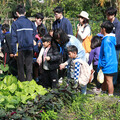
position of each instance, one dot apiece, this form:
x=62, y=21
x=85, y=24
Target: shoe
x=97, y=91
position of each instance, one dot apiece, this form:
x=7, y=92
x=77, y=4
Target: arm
x=13, y=38
x=39, y=59
x=69, y=28
x=85, y=33
x=91, y=56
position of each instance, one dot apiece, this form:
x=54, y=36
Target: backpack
x=86, y=74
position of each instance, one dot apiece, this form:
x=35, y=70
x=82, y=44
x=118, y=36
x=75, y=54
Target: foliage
x=13, y=92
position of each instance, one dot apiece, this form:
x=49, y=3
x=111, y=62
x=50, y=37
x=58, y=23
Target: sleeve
x=85, y=33
x=91, y=56
x=77, y=71
x=13, y=38
x=69, y=28
x=105, y=52
x=55, y=56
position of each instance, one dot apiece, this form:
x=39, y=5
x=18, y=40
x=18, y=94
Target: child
x=6, y=49
x=74, y=67
x=94, y=56
x=108, y=59
x=49, y=56
x=36, y=50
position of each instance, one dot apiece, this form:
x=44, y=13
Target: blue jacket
x=108, y=58
x=74, y=41
x=22, y=32
x=64, y=24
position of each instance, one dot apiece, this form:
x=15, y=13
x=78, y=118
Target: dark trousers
x=50, y=78
x=98, y=85
x=25, y=57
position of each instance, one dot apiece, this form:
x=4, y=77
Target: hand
x=39, y=61
x=62, y=66
x=34, y=42
x=11, y=55
x=47, y=58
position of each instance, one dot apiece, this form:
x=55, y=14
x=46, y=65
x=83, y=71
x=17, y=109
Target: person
x=49, y=56
x=23, y=32
x=14, y=15
x=65, y=41
x=6, y=49
x=74, y=67
x=84, y=32
x=61, y=21
x=108, y=59
x=51, y=32
x=111, y=16
x=39, y=21
x=36, y=50
x=93, y=58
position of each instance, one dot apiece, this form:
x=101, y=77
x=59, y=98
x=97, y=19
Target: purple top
x=94, y=56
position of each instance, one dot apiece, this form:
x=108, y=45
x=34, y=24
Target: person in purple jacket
x=93, y=58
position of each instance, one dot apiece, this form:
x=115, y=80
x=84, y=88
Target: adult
x=84, y=32
x=61, y=21
x=23, y=32
x=111, y=16
x=39, y=21
x=65, y=41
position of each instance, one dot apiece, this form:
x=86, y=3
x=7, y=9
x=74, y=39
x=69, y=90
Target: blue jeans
x=116, y=75
x=83, y=89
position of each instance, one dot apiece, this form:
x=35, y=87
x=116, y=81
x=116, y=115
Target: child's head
x=39, y=18
x=46, y=39
x=110, y=13
x=106, y=27
x=5, y=28
x=51, y=32
x=95, y=42
x=58, y=12
x=72, y=51
x=20, y=10
x=41, y=31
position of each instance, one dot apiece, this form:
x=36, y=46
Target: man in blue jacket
x=23, y=32
x=111, y=16
x=61, y=21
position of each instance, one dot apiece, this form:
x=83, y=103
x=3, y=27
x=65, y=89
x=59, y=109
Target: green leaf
x=20, y=84
x=9, y=106
x=10, y=79
x=24, y=98
x=4, y=68
x=12, y=88
x=40, y=90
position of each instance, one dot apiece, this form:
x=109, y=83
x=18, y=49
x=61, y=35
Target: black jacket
x=55, y=57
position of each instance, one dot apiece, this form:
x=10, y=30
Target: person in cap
x=61, y=21
x=84, y=31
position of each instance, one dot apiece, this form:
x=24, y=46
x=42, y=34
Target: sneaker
x=97, y=91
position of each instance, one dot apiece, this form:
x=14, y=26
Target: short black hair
x=5, y=27
x=61, y=35
x=111, y=11
x=95, y=42
x=72, y=48
x=20, y=9
x=41, y=30
x=58, y=9
x=39, y=15
x=14, y=15
x=46, y=38
x=108, y=26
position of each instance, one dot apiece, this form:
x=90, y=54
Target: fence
x=95, y=25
